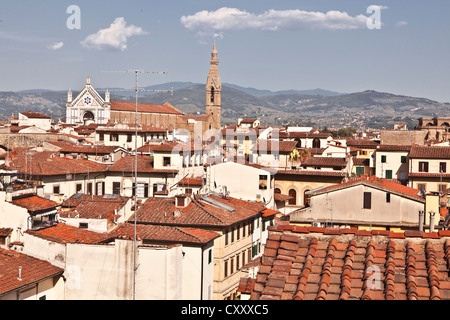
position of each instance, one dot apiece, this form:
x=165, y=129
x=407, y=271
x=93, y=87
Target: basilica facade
x=90, y=107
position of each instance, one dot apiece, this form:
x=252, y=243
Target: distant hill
x=317, y=107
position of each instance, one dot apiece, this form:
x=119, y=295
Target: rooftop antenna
x=137, y=90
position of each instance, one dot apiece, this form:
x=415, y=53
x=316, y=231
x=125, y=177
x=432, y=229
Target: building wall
x=301, y=184
x=244, y=183
x=393, y=163
x=402, y=137
x=331, y=208
x=14, y=217
x=49, y=289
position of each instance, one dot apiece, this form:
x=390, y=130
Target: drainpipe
x=421, y=219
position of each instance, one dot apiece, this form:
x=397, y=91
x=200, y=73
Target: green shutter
x=388, y=174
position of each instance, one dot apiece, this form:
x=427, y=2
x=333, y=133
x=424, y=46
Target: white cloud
x=214, y=23
x=56, y=45
x=401, y=23
x=114, y=37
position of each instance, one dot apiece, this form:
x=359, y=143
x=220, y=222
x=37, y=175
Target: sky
x=401, y=46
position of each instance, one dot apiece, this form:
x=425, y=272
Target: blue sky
x=274, y=45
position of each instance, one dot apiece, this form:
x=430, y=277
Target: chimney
x=432, y=213
x=421, y=219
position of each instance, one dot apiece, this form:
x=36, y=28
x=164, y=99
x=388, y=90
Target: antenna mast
x=137, y=89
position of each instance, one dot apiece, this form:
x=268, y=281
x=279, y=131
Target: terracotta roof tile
x=199, y=211
x=152, y=108
x=63, y=233
x=170, y=234
x=33, y=270
x=433, y=152
x=343, y=267
x=34, y=203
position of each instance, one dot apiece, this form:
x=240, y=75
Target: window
x=442, y=167
x=226, y=237
x=225, y=267
x=129, y=137
x=78, y=187
x=89, y=188
x=307, y=198
x=262, y=182
x=166, y=161
x=423, y=166
x=188, y=190
x=56, y=189
x=83, y=225
x=231, y=266
x=209, y=256
x=388, y=197
x=293, y=195
x=114, y=137
x=422, y=186
x=388, y=174
x=442, y=188
x=237, y=262
x=238, y=232
x=359, y=171
x=403, y=159
x=367, y=200
x=232, y=235
x=316, y=143
x=101, y=136
x=383, y=159
x=116, y=188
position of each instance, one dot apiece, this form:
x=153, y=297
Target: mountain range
x=320, y=108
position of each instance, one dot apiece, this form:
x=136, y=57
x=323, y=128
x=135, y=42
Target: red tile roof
x=374, y=181
x=186, y=182
x=313, y=173
x=88, y=149
x=198, y=212
x=426, y=152
x=150, y=108
x=63, y=233
x=299, y=134
x=35, y=115
x=283, y=146
x=33, y=270
x=44, y=164
x=164, y=234
x=131, y=128
x=160, y=147
x=94, y=207
x=34, y=203
x=302, y=263
x=325, y=162
x=400, y=148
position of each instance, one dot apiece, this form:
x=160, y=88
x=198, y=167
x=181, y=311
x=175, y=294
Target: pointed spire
x=214, y=52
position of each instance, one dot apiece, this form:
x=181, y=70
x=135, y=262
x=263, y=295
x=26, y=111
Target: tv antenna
x=137, y=89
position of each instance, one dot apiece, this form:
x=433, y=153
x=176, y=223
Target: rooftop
x=63, y=233
x=34, y=203
x=164, y=234
x=302, y=263
x=33, y=270
x=203, y=210
x=150, y=108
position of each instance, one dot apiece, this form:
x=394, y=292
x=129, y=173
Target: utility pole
x=137, y=89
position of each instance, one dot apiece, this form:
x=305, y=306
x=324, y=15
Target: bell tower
x=214, y=89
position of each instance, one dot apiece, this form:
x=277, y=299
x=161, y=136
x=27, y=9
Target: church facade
x=90, y=107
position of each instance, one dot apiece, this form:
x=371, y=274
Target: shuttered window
x=367, y=200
